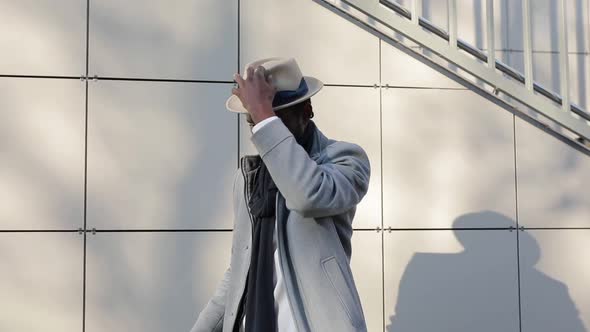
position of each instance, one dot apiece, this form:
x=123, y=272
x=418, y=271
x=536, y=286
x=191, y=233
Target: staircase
x=477, y=70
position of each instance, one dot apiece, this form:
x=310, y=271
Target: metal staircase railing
x=560, y=117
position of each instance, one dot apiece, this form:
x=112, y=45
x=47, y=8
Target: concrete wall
x=144, y=156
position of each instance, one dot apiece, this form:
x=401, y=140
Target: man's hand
x=256, y=93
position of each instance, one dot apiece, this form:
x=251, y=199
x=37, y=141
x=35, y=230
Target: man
x=293, y=204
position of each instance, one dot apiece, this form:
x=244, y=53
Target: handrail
x=382, y=17
x=482, y=56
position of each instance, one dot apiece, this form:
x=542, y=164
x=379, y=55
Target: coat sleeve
x=211, y=317
x=311, y=189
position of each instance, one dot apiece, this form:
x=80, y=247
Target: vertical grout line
x=381, y=175
x=237, y=71
x=84, y=288
x=383, y=317
x=86, y=117
x=517, y=224
x=85, y=166
x=87, y=33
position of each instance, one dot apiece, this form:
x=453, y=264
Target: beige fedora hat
x=292, y=86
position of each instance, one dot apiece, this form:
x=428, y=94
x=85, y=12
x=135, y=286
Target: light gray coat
x=314, y=229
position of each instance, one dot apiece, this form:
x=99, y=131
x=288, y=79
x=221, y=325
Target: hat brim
x=234, y=104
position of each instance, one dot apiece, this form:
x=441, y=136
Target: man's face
x=295, y=121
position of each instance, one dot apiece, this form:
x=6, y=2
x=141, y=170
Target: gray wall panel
x=554, y=280
x=43, y=37
x=444, y=152
x=41, y=282
x=553, y=181
x=164, y=39
x=325, y=45
x=459, y=281
x=141, y=282
x=366, y=269
x=42, y=158
x=161, y=155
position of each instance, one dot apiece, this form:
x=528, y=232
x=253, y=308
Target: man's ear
x=308, y=109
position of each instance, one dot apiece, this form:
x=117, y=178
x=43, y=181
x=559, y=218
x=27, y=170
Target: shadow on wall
x=462, y=292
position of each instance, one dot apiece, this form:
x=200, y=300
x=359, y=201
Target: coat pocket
x=344, y=292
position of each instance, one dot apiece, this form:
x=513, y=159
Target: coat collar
x=320, y=141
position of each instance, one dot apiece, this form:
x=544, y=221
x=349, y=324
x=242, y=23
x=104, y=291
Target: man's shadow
x=477, y=289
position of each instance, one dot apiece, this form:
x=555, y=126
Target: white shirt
x=262, y=123
x=285, y=322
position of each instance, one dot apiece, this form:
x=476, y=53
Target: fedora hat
x=292, y=87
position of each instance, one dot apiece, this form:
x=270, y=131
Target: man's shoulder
x=339, y=148
x=344, y=145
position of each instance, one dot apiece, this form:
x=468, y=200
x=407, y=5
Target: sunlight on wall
x=161, y=156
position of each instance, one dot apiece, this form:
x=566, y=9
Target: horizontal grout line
x=350, y=85
x=39, y=230
x=42, y=77
x=196, y=230
x=188, y=230
x=483, y=228
x=449, y=229
x=114, y=78
x=140, y=79
x=555, y=228
x=387, y=86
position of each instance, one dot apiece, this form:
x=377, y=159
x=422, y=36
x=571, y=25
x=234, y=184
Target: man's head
x=295, y=117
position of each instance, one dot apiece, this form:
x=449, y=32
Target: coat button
x=246, y=248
